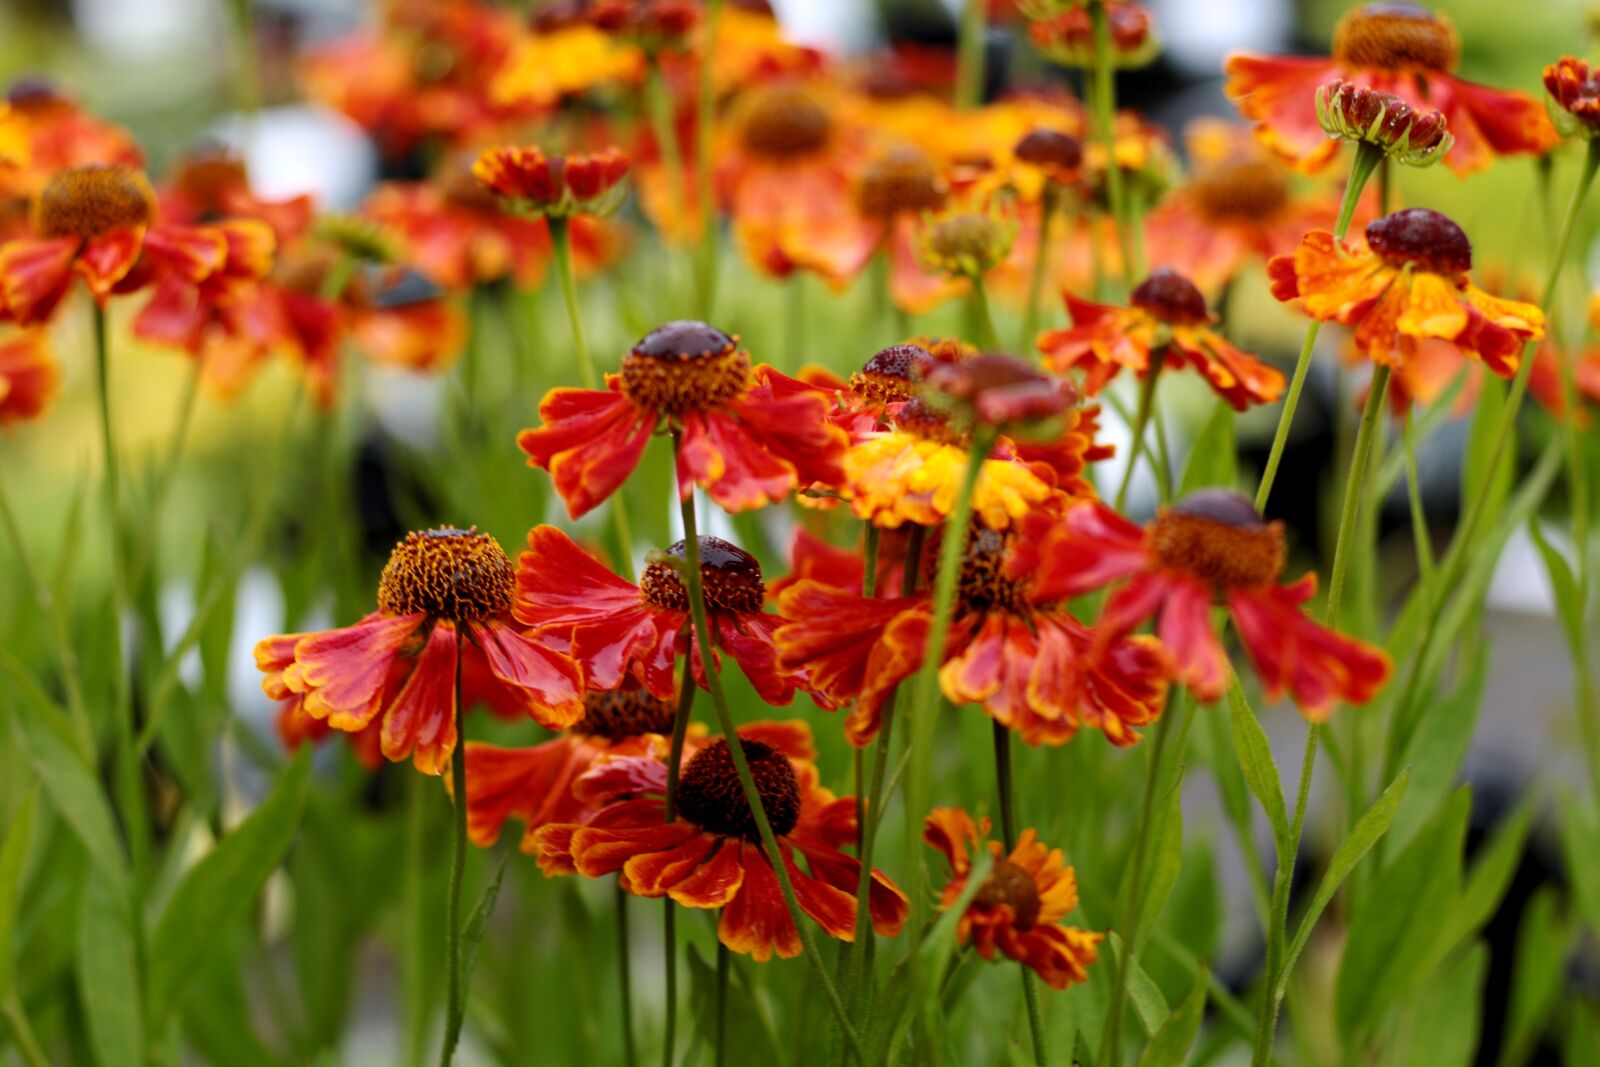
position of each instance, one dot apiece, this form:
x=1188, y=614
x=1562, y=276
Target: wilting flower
x=710, y=855
x=748, y=437
x=1408, y=284
x=444, y=594
x=535, y=784
x=1013, y=648
x=1019, y=908
x=1397, y=48
x=1167, y=312
x=1575, y=91
x=93, y=222
x=1414, y=137
x=535, y=185
x=616, y=630
x=1236, y=208
x=1068, y=37
x=1211, y=548
x=29, y=376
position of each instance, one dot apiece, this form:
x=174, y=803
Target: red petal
x=421, y=722
x=590, y=442
x=550, y=684
x=34, y=276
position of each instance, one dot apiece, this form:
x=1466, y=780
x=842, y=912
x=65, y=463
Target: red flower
x=1210, y=548
x=43, y=131
x=29, y=376
x=711, y=856
x=749, y=436
x=1396, y=48
x=1576, y=91
x=616, y=630
x=1013, y=648
x=1019, y=908
x=455, y=233
x=1166, y=311
x=443, y=592
x=534, y=184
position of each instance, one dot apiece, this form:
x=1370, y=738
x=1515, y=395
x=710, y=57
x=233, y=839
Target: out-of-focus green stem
x=970, y=57
x=1105, y=114
x=1005, y=788
x=456, y=998
x=1141, y=421
x=982, y=329
x=680, y=731
x=1041, y=260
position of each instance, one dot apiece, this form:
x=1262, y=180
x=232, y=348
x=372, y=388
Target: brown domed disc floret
x=1012, y=886
x=982, y=584
x=446, y=573
x=1243, y=190
x=616, y=714
x=730, y=577
x=921, y=419
x=1397, y=37
x=685, y=366
x=1217, y=536
x=207, y=174
x=1050, y=148
x=710, y=796
x=1171, y=298
x=784, y=122
x=901, y=180
x=91, y=201
x=892, y=374
x=1421, y=238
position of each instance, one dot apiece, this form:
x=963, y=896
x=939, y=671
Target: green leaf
x=1143, y=993
x=1569, y=602
x=1260, y=772
x=13, y=857
x=1165, y=863
x=1213, y=458
x=746, y=1039
x=219, y=889
x=1441, y=1027
x=1476, y=476
x=1171, y=1043
x=478, y=923
x=1489, y=878
x=1439, y=746
x=1372, y=825
x=41, y=729
x=1578, y=835
x=1542, y=943
x=108, y=975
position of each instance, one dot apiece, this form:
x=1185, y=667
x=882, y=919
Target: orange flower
x=561, y=58
x=93, y=222
x=29, y=376
x=749, y=437
x=1013, y=648
x=1398, y=48
x=1019, y=908
x=616, y=630
x=533, y=184
x=1165, y=311
x=1237, y=208
x=711, y=856
x=1210, y=548
x=1068, y=38
x=1408, y=284
x=455, y=233
x=211, y=183
x=445, y=594
x=893, y=192
x=1576, y=92
x=43, y=131
x=296, y=727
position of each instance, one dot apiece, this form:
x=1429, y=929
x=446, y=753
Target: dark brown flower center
x=685, y=366
x=982, y=584
x=1012, y=886
x=208, y=175
x=710, y=796
x=626, y=712
x=784, y=122
x=459, y=575
x=1245, y=190
x=892, y=374
x=1397, y=37
x=921, y=419
x=93, y=200
x=1421, y=238
x=730, y=576
x=1171, y=298
x=1049, y=148
x=1218, y=537
x=904, y=180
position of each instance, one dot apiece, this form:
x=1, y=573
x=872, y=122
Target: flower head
x=710, y=855
x=748, y=436
x=534, y=184
x=1166, y=313
x=1211, y=548
x=967, y=244
x=445, y=595
x=1367, y=116
x=1574, y=90
x=1003, y=392
x=1068, y=37
x=1018, y=909
x=1407, y=285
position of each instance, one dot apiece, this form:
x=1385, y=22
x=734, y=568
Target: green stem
x=624, y=972
x=1141, y=420
x=752, y=795
x=1367, y=158
x=1132, y=905
x=705, y=115
x=1005, y=787
x=1105, y=108
x=970, y=58
x=414, y=968
x=983, y=331
x=1419, y=518
x=680, y=731
x=794, y=347
x=455, y=1004
x=720, y=1032
x=1041, y=260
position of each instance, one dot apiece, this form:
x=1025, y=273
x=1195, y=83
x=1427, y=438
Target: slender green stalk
x=1005, y=788
x=982, y=328
x=1132, y=904
x=1041, y=260
x=619, y=899
x=720, y=1031
x=1105, y=115
x=1367, y=158
x=1147, y=402
x=414, y=968
x=752, y=795
x=680, y=731
x=705, y=116
x=970, y=53
x=1419, y=518
x=456, y=1001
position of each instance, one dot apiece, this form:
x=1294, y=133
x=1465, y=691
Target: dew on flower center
x=1421, y=238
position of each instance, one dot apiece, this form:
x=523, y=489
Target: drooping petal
x=421, y=721
x=549, y=684
x=590, y=441
x=1315, y=665
x=34, y=275
x=343, y=671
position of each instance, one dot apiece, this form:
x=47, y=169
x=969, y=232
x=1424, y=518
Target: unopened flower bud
x=1405, y=134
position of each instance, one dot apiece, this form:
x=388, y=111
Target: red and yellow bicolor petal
x=1497, y=329
x=343, y=673
x=421, y=720
x=1238, y=377
x=35, y=273
x=802, y=217
x=1101, y=340
x=895, y=477
x=833, y=636
x=1088, y=548
x=1316, y=666
x=590, y=441
x=297, y=727
x=532, y=784
x=546, y=683
x=29, y=376
x=1328, y=276
x=1277, y=93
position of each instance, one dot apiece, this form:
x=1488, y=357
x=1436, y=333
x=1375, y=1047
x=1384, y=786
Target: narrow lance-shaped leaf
x=1260, y=772
x=1170, y=1046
